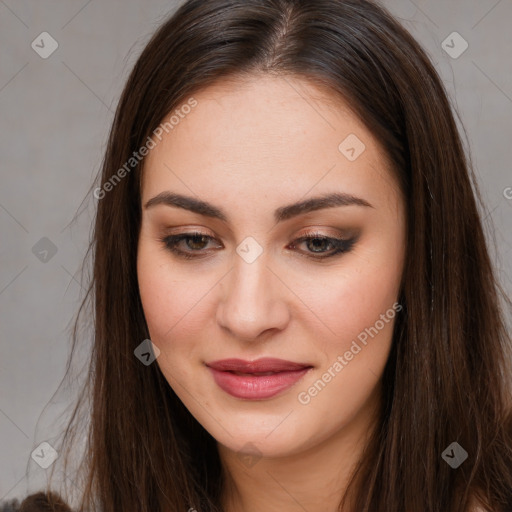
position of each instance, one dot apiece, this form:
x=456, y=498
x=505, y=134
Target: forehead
x=267, y=137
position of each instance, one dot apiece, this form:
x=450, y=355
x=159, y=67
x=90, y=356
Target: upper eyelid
x=320, y=230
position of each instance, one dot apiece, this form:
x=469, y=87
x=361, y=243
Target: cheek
x=154, y=286
x=357, y=307
x=173, y=299
x=351, y=298
x=360, y=310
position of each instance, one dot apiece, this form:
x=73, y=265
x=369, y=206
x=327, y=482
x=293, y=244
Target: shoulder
x=38, y=502
x=9, y=506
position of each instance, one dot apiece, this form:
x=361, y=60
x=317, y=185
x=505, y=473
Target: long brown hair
x=446, y=379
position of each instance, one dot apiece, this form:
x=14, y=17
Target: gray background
x=55, y=117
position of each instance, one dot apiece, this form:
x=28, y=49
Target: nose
x=253, y=301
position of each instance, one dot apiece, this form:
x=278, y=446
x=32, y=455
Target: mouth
x=257, y=374
x=256, y=380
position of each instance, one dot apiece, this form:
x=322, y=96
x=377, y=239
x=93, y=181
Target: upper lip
x=265, y=364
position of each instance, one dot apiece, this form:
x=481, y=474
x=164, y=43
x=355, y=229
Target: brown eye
x=194, y=243
x=318, y=246
x=325, y=246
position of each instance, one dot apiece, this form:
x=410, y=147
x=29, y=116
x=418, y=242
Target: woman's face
x=247, y=287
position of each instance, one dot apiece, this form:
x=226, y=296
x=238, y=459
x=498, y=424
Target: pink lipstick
x=256, y=380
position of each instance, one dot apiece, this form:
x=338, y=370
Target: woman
x=295, y=308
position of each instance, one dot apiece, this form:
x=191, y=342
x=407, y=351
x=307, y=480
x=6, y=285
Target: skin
x=251, y=147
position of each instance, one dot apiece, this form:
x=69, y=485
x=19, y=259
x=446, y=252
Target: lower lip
x=253, y=387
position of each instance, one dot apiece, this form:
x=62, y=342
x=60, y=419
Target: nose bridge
x=251, y=302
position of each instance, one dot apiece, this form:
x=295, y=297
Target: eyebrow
x=281, y=214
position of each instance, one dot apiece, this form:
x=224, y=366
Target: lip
x=280, y=375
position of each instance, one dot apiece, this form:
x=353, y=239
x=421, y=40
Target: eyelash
x=340, y=245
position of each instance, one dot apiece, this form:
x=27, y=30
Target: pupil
x=321, y=241
x=194, y=239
